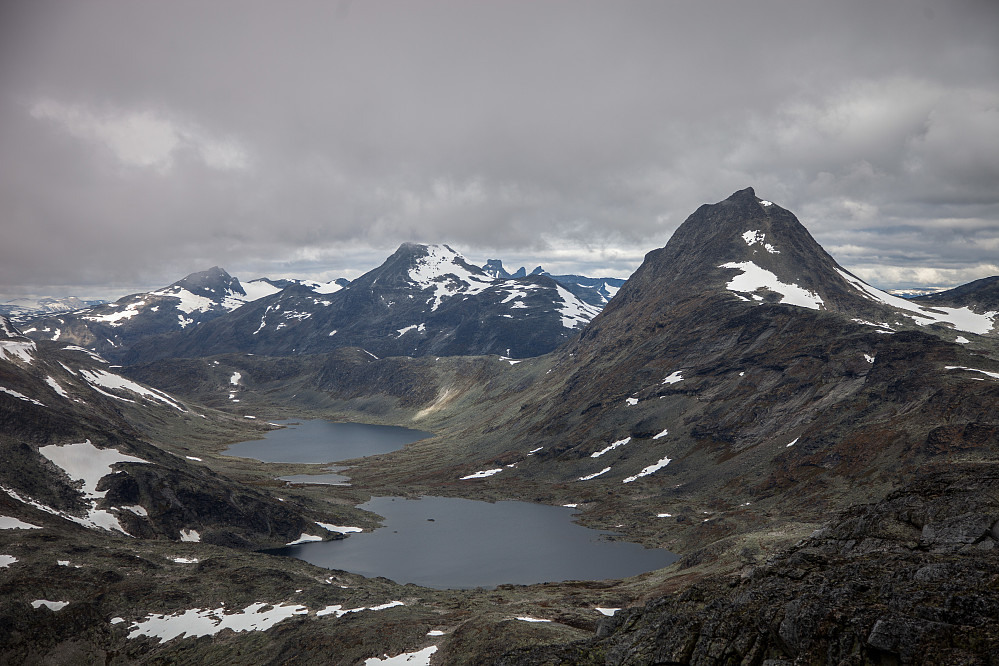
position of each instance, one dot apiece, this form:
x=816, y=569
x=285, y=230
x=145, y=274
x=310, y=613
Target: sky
x=141, y=141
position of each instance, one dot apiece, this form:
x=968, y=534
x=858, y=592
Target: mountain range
x=821, y=454
x=425, y=299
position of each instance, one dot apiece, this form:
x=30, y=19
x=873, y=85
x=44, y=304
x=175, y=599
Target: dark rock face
x=909, y=579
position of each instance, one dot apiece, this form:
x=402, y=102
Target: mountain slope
x=111, y=329
x=980, y=296
x=66, y=417
x=423, y=300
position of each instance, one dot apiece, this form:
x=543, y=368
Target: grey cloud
x=316, y=138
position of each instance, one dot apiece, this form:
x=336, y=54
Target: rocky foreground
x=910, y=579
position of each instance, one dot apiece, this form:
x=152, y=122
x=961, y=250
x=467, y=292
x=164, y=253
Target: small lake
x=319, y=441
x=453, y=543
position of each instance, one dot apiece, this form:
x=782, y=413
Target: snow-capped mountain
x=595, y=291
x=423, y=300
x=112, y=328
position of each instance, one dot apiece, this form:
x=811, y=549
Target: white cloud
x=141, y=138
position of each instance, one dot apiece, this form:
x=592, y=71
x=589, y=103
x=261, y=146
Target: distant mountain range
x=425, y=299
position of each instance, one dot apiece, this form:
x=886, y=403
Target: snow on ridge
x=754, y=278
x=963, y=319
x=111, y=381
x=575, y=313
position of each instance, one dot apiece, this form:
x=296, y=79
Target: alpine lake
x=442, y=542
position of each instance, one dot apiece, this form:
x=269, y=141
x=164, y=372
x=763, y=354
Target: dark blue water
x=318, y=441
x=457, y=543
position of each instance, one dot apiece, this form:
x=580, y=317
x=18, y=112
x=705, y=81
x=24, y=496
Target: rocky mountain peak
x=750, y=249
x=211, y=283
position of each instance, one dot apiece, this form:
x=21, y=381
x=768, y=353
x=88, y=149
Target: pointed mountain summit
x=210, y=283
x=753, y=250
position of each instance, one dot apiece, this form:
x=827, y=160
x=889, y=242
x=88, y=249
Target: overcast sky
x=141, y=141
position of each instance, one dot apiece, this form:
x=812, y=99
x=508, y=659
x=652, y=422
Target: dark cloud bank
x=141, y=141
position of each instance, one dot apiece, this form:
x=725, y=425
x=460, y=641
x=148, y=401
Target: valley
x=822, y=457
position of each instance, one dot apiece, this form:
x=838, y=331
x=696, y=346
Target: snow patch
x=792, y=443
x=111, y=381
x=190, y=535
x=594, y=475
x=305, y=538
x=340, y=611
x=754, y=278
x=651, y=469
x=11, y=523
x=21, y=350
x=418, y=658
x=198, y=622
x=607, y=611
x=611, y=447
x=339, y=528
x=51, y=605
x=674, y=377
x=662, y=434
x=55, y=387
x=482, y=474
x=754, y=237
x=6, y=561
x=20, y=396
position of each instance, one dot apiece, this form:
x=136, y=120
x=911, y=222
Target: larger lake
x=457, y=543
x=318, y=441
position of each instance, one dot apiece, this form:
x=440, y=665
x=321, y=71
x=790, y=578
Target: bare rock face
x=909, y=579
